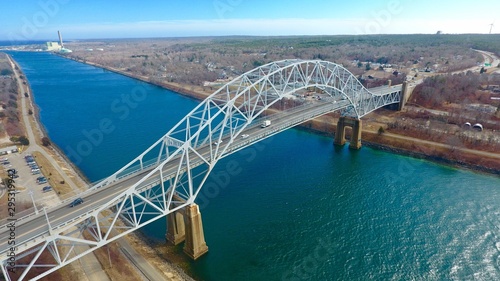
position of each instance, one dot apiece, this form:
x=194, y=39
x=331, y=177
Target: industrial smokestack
x=60, y=39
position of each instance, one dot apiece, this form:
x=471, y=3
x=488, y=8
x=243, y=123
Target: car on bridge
x=76, y=202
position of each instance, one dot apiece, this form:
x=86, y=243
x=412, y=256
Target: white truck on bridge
x=265, y=123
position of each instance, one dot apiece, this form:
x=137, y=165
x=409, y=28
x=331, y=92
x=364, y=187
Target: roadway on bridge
x=32, y=230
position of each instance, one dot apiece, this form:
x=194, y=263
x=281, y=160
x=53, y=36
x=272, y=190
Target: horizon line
x=240, y=35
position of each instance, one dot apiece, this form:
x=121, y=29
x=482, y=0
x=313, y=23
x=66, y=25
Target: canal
x=298, y=207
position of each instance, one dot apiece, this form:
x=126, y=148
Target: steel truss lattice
x=180, y=162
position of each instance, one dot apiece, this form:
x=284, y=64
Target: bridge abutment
x=195, y=245
x=355, y=124
x=176, y=230
x=404, y=96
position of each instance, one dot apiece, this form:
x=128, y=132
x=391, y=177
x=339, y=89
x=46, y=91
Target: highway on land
x=28, y=232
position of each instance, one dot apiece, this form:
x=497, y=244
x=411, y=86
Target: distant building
x=56, y=46
x=52, y=46
x=478, y=127
x=8, y=150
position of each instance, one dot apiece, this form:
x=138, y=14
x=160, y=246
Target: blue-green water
x=293, y=207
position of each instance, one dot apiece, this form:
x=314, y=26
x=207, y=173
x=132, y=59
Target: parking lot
x=29, y=178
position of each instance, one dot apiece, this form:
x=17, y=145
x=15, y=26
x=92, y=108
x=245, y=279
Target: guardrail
x=292, y=120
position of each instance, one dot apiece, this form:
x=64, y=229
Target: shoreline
x=415, y=154
x=193, y=95
x=44, y=133
x=169, y=270
x=370, y=142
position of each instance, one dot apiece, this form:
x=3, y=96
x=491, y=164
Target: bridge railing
x=152, y=162
x=137, y=168
x=23, y=215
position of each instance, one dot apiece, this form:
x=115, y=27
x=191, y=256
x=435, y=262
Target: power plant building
x=57, y=46
x=52, y=46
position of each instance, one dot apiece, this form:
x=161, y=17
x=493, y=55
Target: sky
x=93, y=19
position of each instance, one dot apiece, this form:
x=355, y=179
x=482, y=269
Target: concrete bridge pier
x=404, y=96
x=195, y=245
x=176, y=231
x=355, y=124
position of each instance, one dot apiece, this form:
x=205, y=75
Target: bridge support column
x=176, y=232
x=195, y=245
x=355, y=124
x=404, y=96
x=340, y=133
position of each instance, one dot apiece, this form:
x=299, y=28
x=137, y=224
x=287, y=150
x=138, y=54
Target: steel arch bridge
x=169, y=175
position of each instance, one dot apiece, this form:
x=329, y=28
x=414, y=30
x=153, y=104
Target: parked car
x=41, y=180
x=47, y=188
x=75, y=202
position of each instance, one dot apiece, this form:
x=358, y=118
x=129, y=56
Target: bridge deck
x=34, y=229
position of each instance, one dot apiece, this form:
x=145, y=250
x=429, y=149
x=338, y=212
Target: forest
x=9, y=111
x=195, y=60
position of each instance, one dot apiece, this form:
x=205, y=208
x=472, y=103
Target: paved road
x=437, y=144
x=30, y=134
x=140, y=262
x=61, y=215
x=488, y=57
x=93, y=269
x=89, y=263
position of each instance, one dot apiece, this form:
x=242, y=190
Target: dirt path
x=437, y=144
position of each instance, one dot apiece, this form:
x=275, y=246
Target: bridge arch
x=169, y=175
x=243, y=100
x=215, y=124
